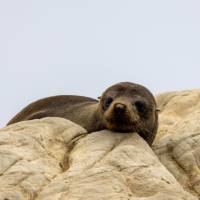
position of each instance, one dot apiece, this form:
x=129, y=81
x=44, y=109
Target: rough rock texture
x=178, y=141
x=53, y=158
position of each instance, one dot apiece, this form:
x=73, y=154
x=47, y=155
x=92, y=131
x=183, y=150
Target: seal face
x=123, y=107
x=129, y=107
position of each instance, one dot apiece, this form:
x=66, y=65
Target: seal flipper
x=38, y=115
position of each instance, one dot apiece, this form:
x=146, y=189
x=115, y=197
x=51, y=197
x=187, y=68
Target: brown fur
x=92, y=114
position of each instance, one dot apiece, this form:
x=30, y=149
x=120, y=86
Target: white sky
x=81, y=47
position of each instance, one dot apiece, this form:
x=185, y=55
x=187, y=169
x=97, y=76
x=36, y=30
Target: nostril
x=119, y=107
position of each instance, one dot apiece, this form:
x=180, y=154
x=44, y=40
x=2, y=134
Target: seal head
x=129, y=107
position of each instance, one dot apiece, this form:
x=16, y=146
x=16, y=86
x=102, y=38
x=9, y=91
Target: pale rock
x=54, y=159
x=178, y=141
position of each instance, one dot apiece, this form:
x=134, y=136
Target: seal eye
x=107, y=102
x=141, y=106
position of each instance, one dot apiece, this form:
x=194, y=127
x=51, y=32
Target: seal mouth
x=121, y=123
x=120, y=127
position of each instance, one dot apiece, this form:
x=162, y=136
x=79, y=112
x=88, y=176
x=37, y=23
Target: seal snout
x=119, y=108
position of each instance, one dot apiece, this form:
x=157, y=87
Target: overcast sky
x=81, y=47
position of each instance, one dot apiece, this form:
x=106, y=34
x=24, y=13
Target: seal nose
x=119, y=108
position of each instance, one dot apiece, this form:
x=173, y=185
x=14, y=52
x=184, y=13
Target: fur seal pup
x=123, y=107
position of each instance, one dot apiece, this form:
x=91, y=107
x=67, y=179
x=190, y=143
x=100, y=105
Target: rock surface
x=53, y=158
x=178, y=140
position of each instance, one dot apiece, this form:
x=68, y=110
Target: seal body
x=123, y=107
